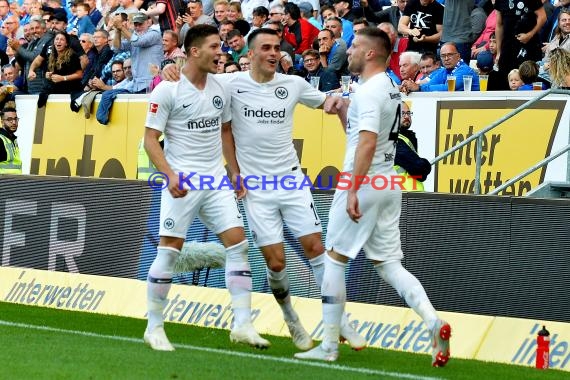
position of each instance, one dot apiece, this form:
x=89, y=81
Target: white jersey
x=374, y=107
x=262, y=121
x=191, y=120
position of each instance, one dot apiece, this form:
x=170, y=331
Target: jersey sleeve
x=308, y=95
x=369, y=111
x=159, y=106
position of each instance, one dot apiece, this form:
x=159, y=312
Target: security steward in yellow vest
x=408, y=162
x=145, y=167
x=10, y=162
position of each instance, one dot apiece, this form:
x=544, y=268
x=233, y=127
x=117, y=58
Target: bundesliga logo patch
x=153, y=108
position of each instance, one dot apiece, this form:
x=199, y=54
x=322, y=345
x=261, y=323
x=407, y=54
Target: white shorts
x=217, y=209
x=266, y=211
x=377, y=231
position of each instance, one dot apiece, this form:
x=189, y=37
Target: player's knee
x=163, y=264
x=276, y=264
x=237, y=252
x=314, y=248
x=388, y=269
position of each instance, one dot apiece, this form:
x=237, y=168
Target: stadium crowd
x=81, y=46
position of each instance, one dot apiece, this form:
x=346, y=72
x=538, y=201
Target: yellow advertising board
x=67, y=144
x=508, y=150
x=513, y=341
x=488, y=338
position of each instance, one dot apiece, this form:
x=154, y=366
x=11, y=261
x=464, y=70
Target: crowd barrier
x=56, y=141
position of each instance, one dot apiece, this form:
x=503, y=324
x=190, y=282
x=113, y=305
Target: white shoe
x=301, y=337
x=157, y=339
x=440, y=343
x=318, y=353
x=356, y=341
x=247, y=334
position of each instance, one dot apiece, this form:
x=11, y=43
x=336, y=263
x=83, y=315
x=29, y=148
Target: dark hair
x=359, y=21
x=57, y=60
x=165, y=62
x=349, y=2
x=327, y=7
x=233, y=33
x=292, y=10
x=528, y=70
x=260, y=11
x=197, y=34
x=8, y=108
x=117, y=62
x=227, y=22
x=253, y=35
x=380, y=37
x=429, y=55
x=231, y=63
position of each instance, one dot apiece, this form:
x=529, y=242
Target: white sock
x=279, y=284
x=238, y=282
x=318, y=266
x=159, y=281
x=409, y=288
x=334, y=298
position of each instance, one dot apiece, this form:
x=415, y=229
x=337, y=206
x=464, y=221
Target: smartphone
x=182, y=10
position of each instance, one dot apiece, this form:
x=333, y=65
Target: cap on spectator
x=58, y=16
x=485, y=60
x=305, y=7
x=139, y=17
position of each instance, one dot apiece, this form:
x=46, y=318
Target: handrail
x=530, y=170
x=479, y=135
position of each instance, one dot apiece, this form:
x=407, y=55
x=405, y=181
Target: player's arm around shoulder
x=308, y=95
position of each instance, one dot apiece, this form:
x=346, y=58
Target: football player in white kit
x=258, y=145
x=190, y=113
x=363, y=217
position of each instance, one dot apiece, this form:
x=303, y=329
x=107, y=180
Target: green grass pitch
x=42, y=343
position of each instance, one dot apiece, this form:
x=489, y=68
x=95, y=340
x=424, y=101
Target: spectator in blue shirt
x=452, y=65
x=84, y=24
x=528, y=71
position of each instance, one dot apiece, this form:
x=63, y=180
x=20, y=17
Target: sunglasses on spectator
x=12, y=119
x=407, y=113
x=275, y=13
